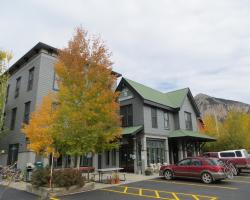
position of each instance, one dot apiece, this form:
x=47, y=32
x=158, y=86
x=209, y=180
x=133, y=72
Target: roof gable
x=172, y=99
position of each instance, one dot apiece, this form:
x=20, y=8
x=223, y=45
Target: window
x=31, y=78
x=166, y=120
x=155, y=151
x=185, y=162
x=55, y=82
x=238, y=153
x=154, y=117
x=107, y=158
x=18, y=84
x=196, y=162
x=86, y=160
x=26, y=116
x=188, y=121
x=13, y=119
x=126, y=113
x=114, y=157
x=227, y=154
x=7, y=93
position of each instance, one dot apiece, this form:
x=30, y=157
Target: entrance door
x=175, y=152
x=13, y=153
x=126, y=156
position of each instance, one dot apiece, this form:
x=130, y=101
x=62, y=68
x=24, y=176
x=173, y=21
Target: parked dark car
x=205, y=169
x=239, y=158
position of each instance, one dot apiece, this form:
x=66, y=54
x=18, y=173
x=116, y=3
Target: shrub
x=40, y=177
x=149, y=171
x=61, y=178
x=67, y=178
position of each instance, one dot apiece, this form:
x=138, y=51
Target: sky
x=164, y=44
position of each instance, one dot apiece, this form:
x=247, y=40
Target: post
x=51, y=170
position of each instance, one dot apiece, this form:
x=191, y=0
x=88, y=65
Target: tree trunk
x=78, y=162
x=51, y=170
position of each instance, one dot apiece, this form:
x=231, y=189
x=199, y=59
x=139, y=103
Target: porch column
x=135, y=155
x=144, y=154
x=167, y=160
x=185, y=149
x=95, y=161
x=117, y=158
x=180, y=150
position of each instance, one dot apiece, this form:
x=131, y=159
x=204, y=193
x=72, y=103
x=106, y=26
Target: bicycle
x=228, y=168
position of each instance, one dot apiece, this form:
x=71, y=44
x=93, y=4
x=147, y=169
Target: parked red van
x=239, y=158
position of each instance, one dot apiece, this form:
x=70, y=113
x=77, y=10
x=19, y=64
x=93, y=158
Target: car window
x=196, y=162
x=227, y=154
x=245, y=153
x=184, y=162
x=238, y=153
x=213, y=162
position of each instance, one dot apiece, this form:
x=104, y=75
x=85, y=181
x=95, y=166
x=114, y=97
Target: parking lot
x=179, y=189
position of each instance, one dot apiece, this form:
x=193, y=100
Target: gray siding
x=137, y=109
x=15, y=136
x=187, y=107
x=46, y=77
x=161, y=131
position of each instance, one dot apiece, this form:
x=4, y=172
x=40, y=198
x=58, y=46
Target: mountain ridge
x=209, y=105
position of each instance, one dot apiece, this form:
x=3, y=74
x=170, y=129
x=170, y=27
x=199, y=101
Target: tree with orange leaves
x=86, y=118
x=88, y=113
x=39, y=131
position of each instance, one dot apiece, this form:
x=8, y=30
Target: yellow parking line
x=174, y=195
x=157, y=194
x=193, y=184
x=52, y=198
x=195, y=197
x=125, y=190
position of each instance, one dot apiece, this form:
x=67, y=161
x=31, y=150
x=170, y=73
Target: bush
x=40, y=177
x=67, y=178
x=149, y=171
x=61, y=178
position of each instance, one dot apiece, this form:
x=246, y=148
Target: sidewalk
x=130, y=178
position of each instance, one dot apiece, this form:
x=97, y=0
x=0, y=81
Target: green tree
x=232, y=133
x=4, y=60
x=87, y=114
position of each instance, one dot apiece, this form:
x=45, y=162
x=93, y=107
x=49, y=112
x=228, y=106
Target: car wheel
x=168, y=175
x=206, y=178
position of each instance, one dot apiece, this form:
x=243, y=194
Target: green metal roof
x=132, y=130
x=172, y=99
x=190, y=134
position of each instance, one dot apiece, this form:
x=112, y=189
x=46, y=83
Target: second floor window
x=126, y=113
x=31, y=78
x=13, y=119
x=26, y=116
x=154, y=117
x=188, y=121
x=7, y=93
x=166, y=120
x=18, y=84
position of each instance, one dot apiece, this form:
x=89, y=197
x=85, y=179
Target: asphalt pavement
x=179, y=189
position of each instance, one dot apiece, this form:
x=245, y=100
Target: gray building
x=157, y=127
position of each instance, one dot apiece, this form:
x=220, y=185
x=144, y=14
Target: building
x=158, y=127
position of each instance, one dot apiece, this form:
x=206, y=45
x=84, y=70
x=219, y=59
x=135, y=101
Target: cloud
x=165, y=44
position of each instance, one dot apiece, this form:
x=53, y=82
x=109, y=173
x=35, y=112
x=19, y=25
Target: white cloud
x=165, y=44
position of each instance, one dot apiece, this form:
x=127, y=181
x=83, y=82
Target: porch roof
x=131, y=130
x=190, y=134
